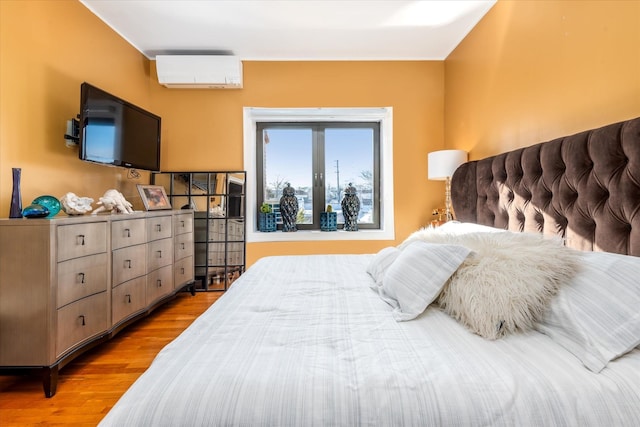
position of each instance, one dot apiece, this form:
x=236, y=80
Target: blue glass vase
x=15, y=211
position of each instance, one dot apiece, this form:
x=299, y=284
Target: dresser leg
x=50, y=380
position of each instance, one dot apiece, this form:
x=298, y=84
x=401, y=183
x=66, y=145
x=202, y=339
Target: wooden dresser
x=69, y=283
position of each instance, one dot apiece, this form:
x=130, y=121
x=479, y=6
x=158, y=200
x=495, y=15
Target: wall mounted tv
x=117, y=133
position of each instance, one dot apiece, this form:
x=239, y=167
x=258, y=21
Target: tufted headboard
x=584, y=187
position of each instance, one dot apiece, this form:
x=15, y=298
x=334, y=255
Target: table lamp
x=441, y=165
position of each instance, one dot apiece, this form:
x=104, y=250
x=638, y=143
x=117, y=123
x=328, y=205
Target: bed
x=547, y=336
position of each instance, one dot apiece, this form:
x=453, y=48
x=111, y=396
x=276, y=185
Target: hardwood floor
x=92, y=383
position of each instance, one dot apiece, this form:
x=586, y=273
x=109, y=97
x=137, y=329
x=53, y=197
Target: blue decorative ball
x=49, y=202
x=35, y=210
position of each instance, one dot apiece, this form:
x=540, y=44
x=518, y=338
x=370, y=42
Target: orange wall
x=203, y=128
x=47, y=49
x=531, y=71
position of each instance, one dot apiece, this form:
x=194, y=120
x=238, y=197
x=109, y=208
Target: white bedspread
x=304, y=341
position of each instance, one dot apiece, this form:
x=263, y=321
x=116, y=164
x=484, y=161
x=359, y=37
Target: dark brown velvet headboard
x=584, y=188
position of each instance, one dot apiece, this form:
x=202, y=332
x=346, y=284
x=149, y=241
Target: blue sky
x=289, y=155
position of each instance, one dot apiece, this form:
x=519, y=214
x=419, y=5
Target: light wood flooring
x=92, y=383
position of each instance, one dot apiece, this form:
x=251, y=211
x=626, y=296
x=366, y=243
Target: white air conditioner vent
x=199, y=71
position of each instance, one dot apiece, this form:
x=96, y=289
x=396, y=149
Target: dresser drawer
x=129, y=263
x=159, y=254
x=159, y=283
x=127, y=299
x=81, y=277
x=183, y=246
x=235, y=230
x=215, y=256
x=159, y=227
x=128, y=232
x=217, y=230
x=182, y=223
x=81, y=239
x=235, y=254
x=81, y=320
x=183, y=272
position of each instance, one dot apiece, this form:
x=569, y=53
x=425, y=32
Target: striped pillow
x=379, y=264
x=596, y=316
x=418, y=274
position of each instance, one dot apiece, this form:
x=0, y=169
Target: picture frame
x=154, y=197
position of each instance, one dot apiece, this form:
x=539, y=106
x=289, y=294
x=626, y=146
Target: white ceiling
x=294, y=29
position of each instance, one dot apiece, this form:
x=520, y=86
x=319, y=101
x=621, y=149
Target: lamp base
x=448, y=210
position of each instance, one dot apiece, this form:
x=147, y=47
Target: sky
x=348, y=152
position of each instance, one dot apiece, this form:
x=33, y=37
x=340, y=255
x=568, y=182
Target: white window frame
x=252, y=115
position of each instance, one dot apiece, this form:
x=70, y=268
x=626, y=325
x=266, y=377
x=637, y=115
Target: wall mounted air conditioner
x=199, y=71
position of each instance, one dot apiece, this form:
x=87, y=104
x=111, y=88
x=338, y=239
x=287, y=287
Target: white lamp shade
x=442, y=164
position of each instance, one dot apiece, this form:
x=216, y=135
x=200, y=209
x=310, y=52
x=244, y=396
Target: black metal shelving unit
x=218, y=201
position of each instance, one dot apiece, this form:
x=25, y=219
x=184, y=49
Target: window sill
x=316, y=235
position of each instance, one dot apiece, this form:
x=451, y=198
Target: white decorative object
x=74, y=205
x=217, y=210
x=113, y=199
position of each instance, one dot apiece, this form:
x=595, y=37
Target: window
x=319, y=151
x=319, y=160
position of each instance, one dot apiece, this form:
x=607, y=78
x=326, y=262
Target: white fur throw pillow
x=506, y=284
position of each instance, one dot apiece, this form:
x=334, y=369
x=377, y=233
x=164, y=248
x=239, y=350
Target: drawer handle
x=182, y=271
x=159, y=254
x=182, y=223
x=158, y=227
x=80, y=239
x=182, y=245
x=128, y=298
x=159, y=282
x=81, y=277
x=82, y=317
x=127, y=232
x=127, y=263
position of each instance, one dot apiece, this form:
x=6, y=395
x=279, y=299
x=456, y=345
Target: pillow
x=417, y=276
x=379, y=264
x=445, y=232
x=597, y=315
x=508, y=281
x=457, y=227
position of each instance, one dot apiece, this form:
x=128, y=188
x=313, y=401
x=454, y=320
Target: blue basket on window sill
x=266, y=222
x=328, y=221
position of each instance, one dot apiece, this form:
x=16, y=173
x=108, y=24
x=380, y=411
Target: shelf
x=218, y=201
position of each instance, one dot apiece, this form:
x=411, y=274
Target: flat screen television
x=117, y=133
